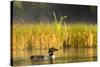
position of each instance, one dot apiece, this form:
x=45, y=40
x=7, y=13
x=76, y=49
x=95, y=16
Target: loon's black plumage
x=50, y=57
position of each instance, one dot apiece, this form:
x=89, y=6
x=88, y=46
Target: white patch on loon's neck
x=53, y=56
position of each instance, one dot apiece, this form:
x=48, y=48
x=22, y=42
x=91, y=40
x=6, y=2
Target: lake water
x=69, y=55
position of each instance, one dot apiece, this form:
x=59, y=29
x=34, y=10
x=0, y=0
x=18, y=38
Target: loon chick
x=50, y=57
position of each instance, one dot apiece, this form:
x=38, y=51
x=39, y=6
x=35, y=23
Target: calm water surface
x=68, y=55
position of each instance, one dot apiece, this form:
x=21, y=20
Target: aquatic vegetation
x=31, y=37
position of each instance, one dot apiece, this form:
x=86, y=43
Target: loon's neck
x=52, y=55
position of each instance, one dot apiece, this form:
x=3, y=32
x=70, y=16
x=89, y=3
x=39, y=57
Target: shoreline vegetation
x=28, y=37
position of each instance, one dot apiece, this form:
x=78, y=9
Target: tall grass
x=58, y=23
x=30, y=37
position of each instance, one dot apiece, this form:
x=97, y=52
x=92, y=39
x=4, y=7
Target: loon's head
x=51, y=51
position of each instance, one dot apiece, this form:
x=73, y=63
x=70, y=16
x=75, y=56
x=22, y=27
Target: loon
x=50, y=57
